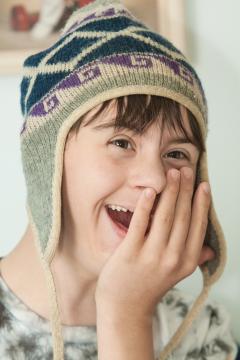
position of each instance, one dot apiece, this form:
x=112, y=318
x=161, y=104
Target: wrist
x=111, y=314
x=123, y=336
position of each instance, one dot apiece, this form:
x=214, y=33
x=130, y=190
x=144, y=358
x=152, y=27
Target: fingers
x=140, y=219
x=183, y=211
x=164, y=214
x=199, y=224
x=177, y=223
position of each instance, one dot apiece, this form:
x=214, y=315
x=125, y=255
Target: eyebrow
x=104, y=126
x=176, y=140
x=181, y=140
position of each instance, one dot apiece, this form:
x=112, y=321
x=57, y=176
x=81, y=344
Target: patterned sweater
x=25, y=335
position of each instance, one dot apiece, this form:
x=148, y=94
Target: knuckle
x=173, y=262
x=184, y=216
x=166, y=219
x=150, y=260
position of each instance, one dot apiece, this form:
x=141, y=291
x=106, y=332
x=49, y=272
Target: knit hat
x=103, y=52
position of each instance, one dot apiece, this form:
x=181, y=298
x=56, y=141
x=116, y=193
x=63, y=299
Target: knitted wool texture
x=104, y=52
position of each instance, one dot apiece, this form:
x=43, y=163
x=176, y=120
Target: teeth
x=118, y=208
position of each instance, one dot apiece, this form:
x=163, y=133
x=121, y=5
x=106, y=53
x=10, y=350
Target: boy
x=109, y=255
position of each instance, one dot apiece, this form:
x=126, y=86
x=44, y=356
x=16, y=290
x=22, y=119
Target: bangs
x=138, y=112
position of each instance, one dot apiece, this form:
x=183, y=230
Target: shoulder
x=209, y=336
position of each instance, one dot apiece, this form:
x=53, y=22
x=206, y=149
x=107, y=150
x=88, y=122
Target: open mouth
x=120, y=228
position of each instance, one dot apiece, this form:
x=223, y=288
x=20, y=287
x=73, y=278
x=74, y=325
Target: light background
x=212, y=32
x=214, y=49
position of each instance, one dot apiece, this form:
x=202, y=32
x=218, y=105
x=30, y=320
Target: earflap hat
x=103, y=52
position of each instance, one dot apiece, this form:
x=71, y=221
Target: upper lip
x=132, y=208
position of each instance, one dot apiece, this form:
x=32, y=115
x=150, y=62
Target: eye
x=183, y=156
x=121, y=141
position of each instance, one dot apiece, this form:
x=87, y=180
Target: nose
x=150, y=173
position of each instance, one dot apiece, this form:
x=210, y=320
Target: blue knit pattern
x=79, y=38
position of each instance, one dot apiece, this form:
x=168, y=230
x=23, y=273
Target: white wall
x=13, y=217
x=215, y=52
x=213, y=38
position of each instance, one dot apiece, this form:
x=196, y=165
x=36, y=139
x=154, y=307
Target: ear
x=206, y=254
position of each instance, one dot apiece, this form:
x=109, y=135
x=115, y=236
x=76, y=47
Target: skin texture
x=91, y=254
x=168, y=254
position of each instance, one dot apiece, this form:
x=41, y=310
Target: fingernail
x=149, y=193
x=206, y=188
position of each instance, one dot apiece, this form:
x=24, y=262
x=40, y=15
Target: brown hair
x=138, y=112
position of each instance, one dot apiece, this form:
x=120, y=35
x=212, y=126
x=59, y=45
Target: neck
x=75, y=293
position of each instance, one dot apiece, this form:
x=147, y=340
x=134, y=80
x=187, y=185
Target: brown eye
x=121, y=142
x=178, y=155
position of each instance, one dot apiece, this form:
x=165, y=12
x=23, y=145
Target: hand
x=144, y=268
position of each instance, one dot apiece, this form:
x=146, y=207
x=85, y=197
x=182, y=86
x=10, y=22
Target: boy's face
x=97, y=173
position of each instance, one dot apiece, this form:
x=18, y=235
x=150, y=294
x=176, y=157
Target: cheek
x=103, y=164
x=105, y=174
x=92, y=178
